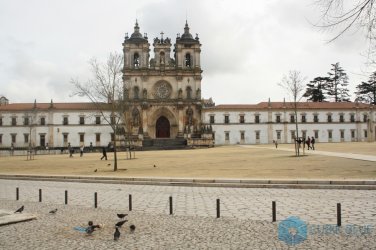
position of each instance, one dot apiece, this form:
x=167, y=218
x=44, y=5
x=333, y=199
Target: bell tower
x=136, y=50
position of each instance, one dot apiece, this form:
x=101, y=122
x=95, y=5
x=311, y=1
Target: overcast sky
x=247, y=46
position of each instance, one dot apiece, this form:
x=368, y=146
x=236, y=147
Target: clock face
x=162, y=90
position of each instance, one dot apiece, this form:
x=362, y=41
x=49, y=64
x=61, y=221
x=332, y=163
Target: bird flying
x=121, y=216
x=120, y=223
x=19, y=210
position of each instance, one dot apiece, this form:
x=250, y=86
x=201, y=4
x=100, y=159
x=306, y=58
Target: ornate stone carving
x=162, y=90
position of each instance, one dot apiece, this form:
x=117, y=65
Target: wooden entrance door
x=162, y=128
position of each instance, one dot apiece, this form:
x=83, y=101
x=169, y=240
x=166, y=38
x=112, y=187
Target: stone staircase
x=164, y=144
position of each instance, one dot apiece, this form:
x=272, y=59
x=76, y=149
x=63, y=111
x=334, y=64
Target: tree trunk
x=115, y=153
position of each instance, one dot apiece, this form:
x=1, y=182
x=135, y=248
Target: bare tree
x=106, y=91
x=293, y=84
x=346, y=14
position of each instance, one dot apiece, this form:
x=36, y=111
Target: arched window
x=136, y=92
x=189, y=92
x=136, y=60
x=188, y=60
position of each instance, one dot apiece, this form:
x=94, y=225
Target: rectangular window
x=212, y=119
x=227, y=136
x=113, y=120
x=65, y=138
x=14, y=121
x=112, y=137
x=97, y=120
x=278, y=134
x=227, y=120
x=98, y=137
x=365, y=117
x=303, y=118
x=352, y=134
x=257, y=135
x=26, y=138
x=82, y=138
x=330, y=134
x=292, y=134
x=65, y=120
x=13, y=136
x=329, y=118
x=315, y=118
x=257, y=119
x=1, y=121
x=304, y=134
x=292, y=118
x=365, y=134
x=26, y=121
x=352, y=118
x=242, y=137
x=341, y=118
x=241, y=119
x=1, y=139
x=42, y=121
x=278, y=119
x=82, y=120
x=342, y=134
x=316, y=134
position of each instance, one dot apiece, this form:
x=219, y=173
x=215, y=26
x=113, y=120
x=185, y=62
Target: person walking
x=70, y=150
x=81, y=150
x=313, y=143
x=308, y=141
x=104, y=153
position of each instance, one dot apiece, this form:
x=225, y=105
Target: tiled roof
x=47, y=106
x=290, y=105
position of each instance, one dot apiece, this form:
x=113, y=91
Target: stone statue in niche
x=135, y=117
x=198, y=93
x=189, y=114
x=144, y=94
x=180, y=94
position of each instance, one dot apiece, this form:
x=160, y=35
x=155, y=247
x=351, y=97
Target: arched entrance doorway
x=162, y=128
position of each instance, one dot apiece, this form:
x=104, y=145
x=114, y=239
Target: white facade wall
x=54, y=129
x=268, y=126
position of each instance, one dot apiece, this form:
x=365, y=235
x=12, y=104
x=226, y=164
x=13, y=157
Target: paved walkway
x=314, y=206
x=326, y=153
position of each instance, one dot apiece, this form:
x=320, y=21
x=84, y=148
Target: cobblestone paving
x=313, y=206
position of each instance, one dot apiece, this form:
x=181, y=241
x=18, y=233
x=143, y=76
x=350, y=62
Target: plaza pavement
x=245, y=221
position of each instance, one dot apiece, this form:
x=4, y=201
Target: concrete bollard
x=171, y=208
x=130, y=202
x=95, y=200
x=218, y=208
x=339, y=221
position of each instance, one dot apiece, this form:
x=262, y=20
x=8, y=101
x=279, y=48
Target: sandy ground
x=261, y=162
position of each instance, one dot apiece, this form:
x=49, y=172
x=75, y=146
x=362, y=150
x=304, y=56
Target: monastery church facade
x=164, y=105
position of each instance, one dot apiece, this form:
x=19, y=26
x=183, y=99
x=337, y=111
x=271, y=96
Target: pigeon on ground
x=53, y=211
x=120, y=223
x=155, y=166
x=109, y=164
x=19, y=210
x=116, y=234
x=132, y=228
x=121, y=216
x=91, y=228
x=95, y=170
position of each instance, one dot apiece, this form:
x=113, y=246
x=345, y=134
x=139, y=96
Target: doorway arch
x=162, y=128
